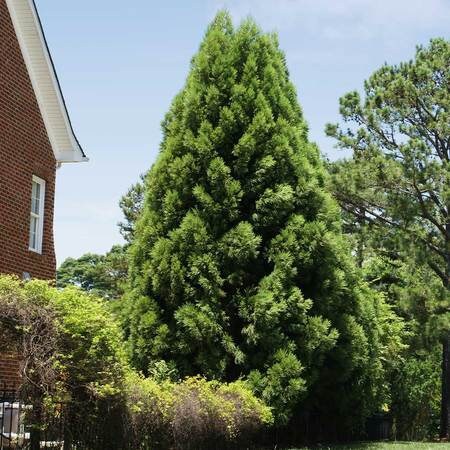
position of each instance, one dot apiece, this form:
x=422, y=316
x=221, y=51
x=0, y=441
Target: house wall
x=25, y=151
x=9, y=371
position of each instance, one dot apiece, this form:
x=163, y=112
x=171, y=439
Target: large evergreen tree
x=238, y=265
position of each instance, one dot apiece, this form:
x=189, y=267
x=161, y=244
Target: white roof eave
x=41, y=70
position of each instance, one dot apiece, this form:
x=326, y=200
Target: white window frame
x=39, y=216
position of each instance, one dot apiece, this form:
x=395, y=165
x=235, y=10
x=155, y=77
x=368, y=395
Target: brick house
x=36, y=137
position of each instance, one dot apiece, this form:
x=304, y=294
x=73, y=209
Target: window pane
x=36, y=214
x=33, y=232
x=35, y=197
x=35, y=206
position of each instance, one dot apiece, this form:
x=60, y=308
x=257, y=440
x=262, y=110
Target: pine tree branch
x=386, y=221
x=440, y=273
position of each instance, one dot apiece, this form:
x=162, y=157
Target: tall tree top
x=400, y=135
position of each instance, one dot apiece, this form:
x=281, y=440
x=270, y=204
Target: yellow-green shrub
x=149, y=405
x=194, y=413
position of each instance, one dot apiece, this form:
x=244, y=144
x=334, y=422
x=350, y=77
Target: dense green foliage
x=72, y=346
x=193, y=414
x=395, y=195
x=74, y=366
x=413, y=379
x=73, y=360
x=238, y=266
x=102, y=275
x=239, y=269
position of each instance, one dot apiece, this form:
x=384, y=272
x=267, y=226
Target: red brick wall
x=9, y=371
x=24, y=151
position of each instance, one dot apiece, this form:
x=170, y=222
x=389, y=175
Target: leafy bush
x=194, y=413
x=72, y=353
x=416, y=395
x=148, y=406
x=67, y=338
x=91, y=351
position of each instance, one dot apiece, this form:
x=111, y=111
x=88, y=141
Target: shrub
x=416, y=395
x=149, y=405
x=194, y=413
x=91, y=352
x=28, y=326
x=68, y=339
x=72, y=353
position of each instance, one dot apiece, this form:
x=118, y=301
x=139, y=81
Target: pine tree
x=399, y=176
x=238, y=266
x=388, y=258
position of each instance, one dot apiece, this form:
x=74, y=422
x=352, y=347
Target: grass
x=386, y=446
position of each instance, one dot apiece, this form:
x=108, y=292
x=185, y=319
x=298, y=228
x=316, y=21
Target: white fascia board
x=30, y=35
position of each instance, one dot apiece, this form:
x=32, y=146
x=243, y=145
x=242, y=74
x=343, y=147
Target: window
x=37, y=214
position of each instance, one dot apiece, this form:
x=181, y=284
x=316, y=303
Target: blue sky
x=121, y=63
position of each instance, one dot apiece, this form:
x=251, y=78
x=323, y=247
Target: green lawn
x=387, y=446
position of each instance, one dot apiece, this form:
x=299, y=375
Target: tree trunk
x=35, y=435
x=445, y=400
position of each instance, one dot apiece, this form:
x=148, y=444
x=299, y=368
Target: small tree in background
x=131, y=205
x=389, y=265
x=238, y=265
x=102, y=275
x=399, y=178
x=105, y=275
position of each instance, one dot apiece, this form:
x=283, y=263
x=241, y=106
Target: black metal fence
x=312, y=429
x=12, y=430
x=58, y=426
x=18, y=429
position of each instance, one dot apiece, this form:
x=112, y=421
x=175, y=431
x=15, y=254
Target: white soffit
x=44, y=80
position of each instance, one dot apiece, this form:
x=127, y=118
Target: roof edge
x=55, y=78
x=75, y=152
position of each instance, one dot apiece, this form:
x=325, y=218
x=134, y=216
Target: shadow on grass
x=377, y=446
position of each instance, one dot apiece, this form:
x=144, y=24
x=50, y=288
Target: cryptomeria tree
x=399, y=177
x=238, y=267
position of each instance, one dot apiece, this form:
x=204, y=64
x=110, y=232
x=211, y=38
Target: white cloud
x=344, y=19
